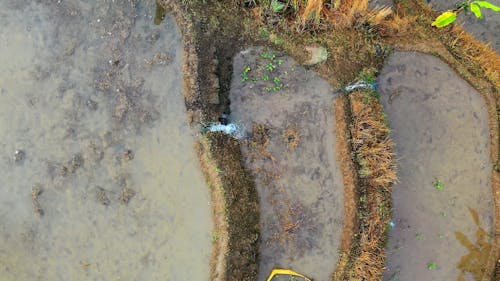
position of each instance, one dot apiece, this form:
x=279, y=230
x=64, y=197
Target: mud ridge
x=234, y=197
x=350, y=179
x=368, y=196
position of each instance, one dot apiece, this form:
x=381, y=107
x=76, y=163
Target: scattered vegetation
x=266, y=71
x=337, y=14
x=450, y=16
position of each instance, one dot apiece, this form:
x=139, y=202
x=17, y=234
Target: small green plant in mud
x=270, y=67
x=244, y=74
x=438, y=184
x=450, y=16
x=267, y=55
x=432, y=265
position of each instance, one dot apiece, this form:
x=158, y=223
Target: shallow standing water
x=105, y=185
x=287, y=112
x=443, y=210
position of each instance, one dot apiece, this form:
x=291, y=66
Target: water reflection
x=473, y=264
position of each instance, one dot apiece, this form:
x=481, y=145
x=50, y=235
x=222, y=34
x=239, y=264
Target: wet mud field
x=287, y=114
x=99, y=175
x=103, y=178
x=442, y=204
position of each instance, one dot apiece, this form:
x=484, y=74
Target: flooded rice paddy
x=287, y=113
x=443, y=210
x=99, y=177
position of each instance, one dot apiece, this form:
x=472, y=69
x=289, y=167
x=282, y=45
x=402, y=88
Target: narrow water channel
x=99, y=177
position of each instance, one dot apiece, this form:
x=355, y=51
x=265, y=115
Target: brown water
x=440, y=126
x=292, y=153
x=106, y=185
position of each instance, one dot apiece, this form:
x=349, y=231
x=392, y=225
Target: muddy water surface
x=443, y=209
x=105, y=184
x=288, y=115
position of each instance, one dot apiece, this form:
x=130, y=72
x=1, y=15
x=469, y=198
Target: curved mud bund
x=106, y=184
x=443, y=210
x=287, y=112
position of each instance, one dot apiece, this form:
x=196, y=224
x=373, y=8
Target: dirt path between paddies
x=443, y=210
x=288, y=115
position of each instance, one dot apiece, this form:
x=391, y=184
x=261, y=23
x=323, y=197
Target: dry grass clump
x=371, y=142
x=479, y=54
x=337, y=14
x=375, y=162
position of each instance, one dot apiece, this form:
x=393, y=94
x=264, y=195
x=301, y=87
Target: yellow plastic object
x=279, y=271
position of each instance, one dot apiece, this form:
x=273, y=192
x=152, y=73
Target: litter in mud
x=360, y=85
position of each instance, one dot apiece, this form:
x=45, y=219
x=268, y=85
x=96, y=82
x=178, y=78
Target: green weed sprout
x=268, y=56
x=432, y=266
x=450, y=16
x=244, y=74
x=438, y=184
